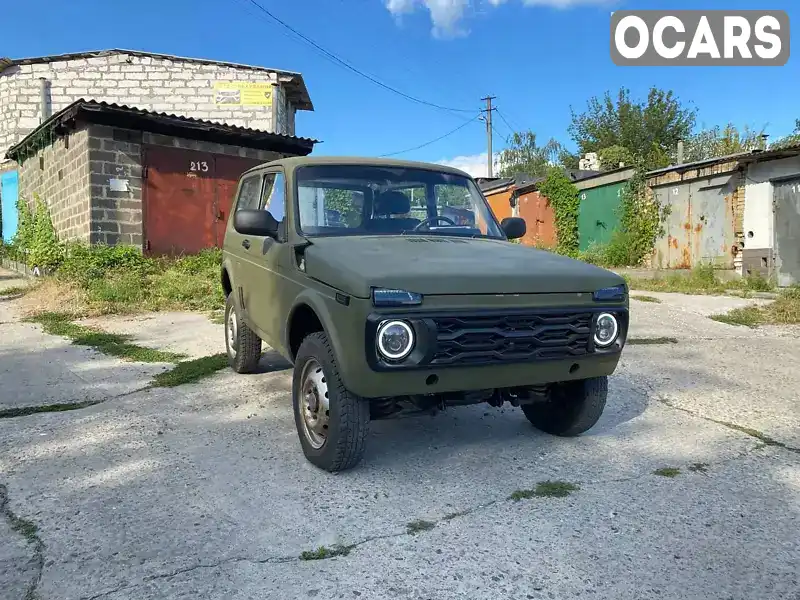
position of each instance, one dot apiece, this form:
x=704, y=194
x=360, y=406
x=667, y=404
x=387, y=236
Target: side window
x=275, y=195
x=249, y=193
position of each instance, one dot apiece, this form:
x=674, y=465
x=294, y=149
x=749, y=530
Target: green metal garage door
x=599, y=214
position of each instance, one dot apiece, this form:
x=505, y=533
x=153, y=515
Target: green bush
x=85, y=264
x=45, y=250
x=204, y=261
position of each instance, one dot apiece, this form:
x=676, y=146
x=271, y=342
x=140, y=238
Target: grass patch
x=759, y=435
x=99, y=279
x=784, y=310
x=24, y=527
x=418, y=526
x=700, y=280
x=111, y=344
x=217, y=317
x=546, y=489
x=189, y=371
x=698, y=467
x=24, y=411
x=749, y=316
x=667, y=472
x=322, y=552
x=16, y=290
x=648, y=341
x=646, y=299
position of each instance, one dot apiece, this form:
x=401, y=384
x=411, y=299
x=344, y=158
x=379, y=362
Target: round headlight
x=605, y=330
x=395, y=339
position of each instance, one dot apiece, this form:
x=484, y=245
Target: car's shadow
x=497, y=430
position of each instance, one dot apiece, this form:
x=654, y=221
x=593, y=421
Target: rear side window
x=250, y=193
x=275, y=195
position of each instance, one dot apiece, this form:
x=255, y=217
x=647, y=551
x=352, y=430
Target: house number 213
x=199, y=165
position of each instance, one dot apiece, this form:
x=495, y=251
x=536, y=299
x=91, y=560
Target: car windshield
x=374, y=200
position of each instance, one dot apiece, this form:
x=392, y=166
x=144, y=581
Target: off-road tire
x=248, y=344
x=572, y=407
x=349, y=414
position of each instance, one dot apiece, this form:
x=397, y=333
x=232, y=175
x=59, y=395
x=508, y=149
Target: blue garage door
x=9, y=190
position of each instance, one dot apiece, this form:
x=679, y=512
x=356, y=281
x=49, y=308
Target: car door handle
x=246, y=244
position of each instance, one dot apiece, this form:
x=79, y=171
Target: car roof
x=307, y=161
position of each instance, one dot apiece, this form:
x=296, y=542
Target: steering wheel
x=430, y=220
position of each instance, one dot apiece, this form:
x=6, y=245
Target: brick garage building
x=33, y=89
x=115, y=174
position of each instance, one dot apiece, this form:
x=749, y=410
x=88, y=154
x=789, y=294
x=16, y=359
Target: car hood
x=447, y=265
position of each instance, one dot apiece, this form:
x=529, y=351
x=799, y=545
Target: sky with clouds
x=539, y=58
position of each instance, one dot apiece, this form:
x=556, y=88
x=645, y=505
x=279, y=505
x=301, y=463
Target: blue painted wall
x=9, y=191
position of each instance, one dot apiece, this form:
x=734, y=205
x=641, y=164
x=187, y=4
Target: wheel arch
x=308, y=314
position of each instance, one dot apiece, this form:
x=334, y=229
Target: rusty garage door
x=699, y=227
x=786, y=202
x=187, y=198
x=539, y=220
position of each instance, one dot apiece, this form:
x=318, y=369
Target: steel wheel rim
x=232, y=331
x=314, y=404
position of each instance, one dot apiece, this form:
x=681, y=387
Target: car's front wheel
x=331, y=421
x=241, y=343
x=571, y=408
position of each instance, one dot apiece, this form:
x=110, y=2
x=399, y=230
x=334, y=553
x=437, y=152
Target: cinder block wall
x=161, y=85
x=59, y=175
x=116, y=217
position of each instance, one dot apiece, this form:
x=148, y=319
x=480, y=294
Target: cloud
x=446, y=15
x=474, y=164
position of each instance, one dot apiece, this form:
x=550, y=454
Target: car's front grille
x=485, y=339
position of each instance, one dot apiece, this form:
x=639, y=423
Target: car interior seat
x=388, y=204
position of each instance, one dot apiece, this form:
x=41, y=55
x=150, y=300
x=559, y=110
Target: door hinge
x=144, y=172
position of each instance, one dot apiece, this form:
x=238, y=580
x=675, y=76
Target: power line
x=513, y=130
x=441, y=137
x=343, y=63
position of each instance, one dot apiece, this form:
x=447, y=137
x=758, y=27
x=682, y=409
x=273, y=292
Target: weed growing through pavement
x=646, y=299
x=698, y=467
x=419, y=525
x=667, y=472
x=651, y=341
x=108, y=343
x=189, y=371
x=322, y=552
x=546, y=489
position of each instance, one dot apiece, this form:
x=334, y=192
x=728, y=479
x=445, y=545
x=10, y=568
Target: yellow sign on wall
x=242, y=93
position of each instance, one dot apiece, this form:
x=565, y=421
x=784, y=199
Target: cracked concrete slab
x=192, y=334
x=202, y=490
x=39, y=369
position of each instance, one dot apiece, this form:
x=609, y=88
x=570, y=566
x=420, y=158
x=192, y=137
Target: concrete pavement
x=202, y=490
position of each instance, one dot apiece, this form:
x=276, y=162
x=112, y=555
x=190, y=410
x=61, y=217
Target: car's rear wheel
x=331, y=421
x=571, y=408
x=241, y=343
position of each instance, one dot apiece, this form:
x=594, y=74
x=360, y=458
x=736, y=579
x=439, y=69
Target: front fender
x=343, y=324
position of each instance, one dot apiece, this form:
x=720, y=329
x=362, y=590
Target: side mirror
x=259, y=223
x=514, y=227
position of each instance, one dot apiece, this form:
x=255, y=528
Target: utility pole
x=488, y=110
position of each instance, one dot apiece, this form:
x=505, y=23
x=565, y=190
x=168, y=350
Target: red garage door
x=187, y=198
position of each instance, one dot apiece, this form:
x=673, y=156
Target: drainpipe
x=680, y=152
x=44, y=99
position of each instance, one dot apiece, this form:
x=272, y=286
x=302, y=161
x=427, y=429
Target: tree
x=525, y=157
x=649, y=130
x=569, y=160
x=717, y=141
x=793, y=139
x=612, y=157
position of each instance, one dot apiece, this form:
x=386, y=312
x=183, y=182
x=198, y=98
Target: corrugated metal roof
x=300, y=98
x=168, y=124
